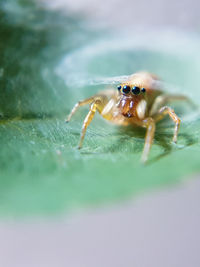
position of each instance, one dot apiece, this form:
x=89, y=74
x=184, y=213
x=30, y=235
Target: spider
x=137, y=101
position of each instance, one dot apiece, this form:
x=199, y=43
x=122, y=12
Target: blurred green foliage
x=32, y=42
x=41, y=171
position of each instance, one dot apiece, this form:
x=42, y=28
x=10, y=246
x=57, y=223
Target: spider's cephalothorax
x=138, y=101
x=132, y=101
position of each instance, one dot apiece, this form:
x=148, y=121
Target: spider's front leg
x=96, y=104
x=93, y=108
x=169, y=111
x=99, y=102
x=149, y=124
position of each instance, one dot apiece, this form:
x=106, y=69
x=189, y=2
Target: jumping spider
x=138, y=101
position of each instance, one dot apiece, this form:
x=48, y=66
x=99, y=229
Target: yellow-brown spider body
x=138, y=101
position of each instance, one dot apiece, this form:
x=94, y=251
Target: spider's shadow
x=162, y=138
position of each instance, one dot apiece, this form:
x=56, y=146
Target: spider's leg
x=88, y=120
x=169, y=111
x=79, y=104
x=148, y=123
x=162, y=100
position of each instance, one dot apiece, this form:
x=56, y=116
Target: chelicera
x=138, y=101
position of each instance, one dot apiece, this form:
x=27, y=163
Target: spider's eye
x=126, y=89
x=136, y=90
x=143, y=90
x=119, y=87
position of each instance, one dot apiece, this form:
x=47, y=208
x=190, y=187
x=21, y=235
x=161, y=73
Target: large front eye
x=136, y=90
x=119, y=87
x=126, y=89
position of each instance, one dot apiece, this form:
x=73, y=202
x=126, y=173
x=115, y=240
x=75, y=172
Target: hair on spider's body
x=137, y=101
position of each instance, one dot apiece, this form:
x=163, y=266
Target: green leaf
x=50, y=61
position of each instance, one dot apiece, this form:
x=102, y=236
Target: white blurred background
x=142, y=13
